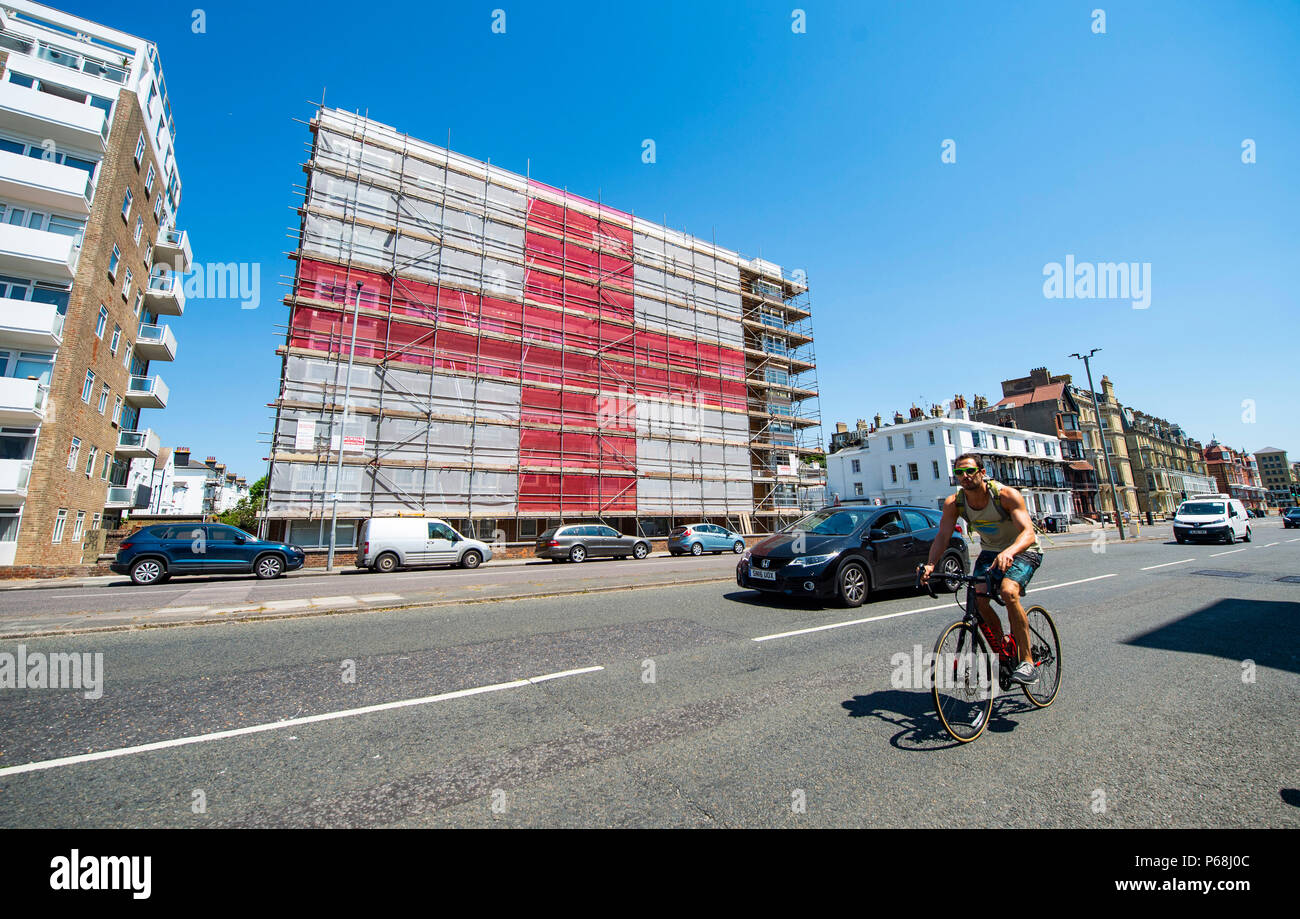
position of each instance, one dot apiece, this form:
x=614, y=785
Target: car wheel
x=738, y=546
x=471, y=559
x=640, y=551
x=1229, y=537
x=1181, y=539
x=269, y=567
x=853, y=585
x=697, y=549
x=951, y=564
x=386, y=563
x=147, y=571
x=577, y=554
x=1246, y=538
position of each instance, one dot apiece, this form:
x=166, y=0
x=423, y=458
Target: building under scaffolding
x=524, y=356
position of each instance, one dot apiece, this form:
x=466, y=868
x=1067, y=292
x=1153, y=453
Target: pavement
x=685, y=705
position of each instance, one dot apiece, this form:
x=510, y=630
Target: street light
x=1105, y=451
x=347, y=398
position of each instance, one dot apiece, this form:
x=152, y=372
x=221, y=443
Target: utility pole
x=1105, y=451
x=347, y=399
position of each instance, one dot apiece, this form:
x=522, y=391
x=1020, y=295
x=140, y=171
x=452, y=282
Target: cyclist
x=1009, y=550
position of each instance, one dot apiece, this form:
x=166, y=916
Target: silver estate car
x=581, y=541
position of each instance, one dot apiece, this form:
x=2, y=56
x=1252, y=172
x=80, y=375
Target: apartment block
x=1235, y=474
x=521, y=356
x=1275, y=476
x=1167, y=464
x=90, y=262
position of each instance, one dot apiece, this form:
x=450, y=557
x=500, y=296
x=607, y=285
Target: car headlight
x=811, y=561
x=744, y=558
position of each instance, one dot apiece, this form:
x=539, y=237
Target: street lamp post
x=347, y=398
x=1105, y=451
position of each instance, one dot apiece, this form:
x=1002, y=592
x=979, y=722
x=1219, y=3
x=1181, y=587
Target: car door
x=712, y=537
x=186, y=548
x=923, y=536
x=440, y=549
x=223, y=551
x=892, y=550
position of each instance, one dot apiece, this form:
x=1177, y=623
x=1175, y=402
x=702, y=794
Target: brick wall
x=53, y=485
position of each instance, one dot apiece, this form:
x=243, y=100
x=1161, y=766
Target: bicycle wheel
x=962, y=675
x=1045, y=647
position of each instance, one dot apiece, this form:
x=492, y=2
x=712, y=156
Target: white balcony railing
x=45, y=183
x=25, y=252
x=136, y=444
x=173, y=248
x=156, y=342
x=119, y=496
x=164, y=295
x=22, y=402
x=38, y=114
x=30, y=325
x=147, y=392
x=13, y=480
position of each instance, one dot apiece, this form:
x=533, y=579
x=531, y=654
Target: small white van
x=388, y=543
x=1212, y=517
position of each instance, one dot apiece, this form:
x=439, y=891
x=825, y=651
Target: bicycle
x=961, y=678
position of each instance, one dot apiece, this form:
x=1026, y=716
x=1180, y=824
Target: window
x=913, y=474
x=59, y=521
x=117, y=339
x=857, y=465
x=148, y=181
x=857, y=488
x=79, y=527
x=117, y=409
x=439, y=531
x=935, y=465
x=157, y=209
x=103, y=397
x=108, y=461
x=891, y=523
x=139, y=228
x=74, y=449
x=126, y=356
x=126, y=205
x=139, y=303
x=947, y=436
x=90, y=461
x=931, y=433
x=139, y=149
x=893, y=473
x=891, y=442
x=88, y=387
x=101, y=321
x=112, y=262
x=94, y=523
x=916, y=520
x=909, y=441
x=126, y=285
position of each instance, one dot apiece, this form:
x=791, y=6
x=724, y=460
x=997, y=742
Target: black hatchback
x=848, y=552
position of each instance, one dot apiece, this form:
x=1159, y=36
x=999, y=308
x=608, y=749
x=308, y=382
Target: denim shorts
x=1020, y=570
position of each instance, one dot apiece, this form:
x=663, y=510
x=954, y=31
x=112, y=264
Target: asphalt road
x=688, y=705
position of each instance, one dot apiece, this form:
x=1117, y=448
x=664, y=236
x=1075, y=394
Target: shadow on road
x=1239, y=630
x=913, y=712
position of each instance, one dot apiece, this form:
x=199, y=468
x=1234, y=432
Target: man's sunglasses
x=966, y=470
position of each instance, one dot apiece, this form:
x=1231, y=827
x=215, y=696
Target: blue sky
x=820, y=151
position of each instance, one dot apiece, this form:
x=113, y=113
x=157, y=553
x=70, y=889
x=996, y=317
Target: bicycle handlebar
x=951, y=578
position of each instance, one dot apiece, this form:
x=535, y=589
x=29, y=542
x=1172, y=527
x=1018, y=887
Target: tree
x=245, y=512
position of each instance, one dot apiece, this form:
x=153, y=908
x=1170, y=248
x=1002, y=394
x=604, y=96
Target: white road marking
x=288, y=723
x=1297, y=539
x=1267, y=544
x=925, y=609
x=277, y=605
x=1167, y=564
x=1229, y=552
x=333, y=601
x=380, y=598
x=182, y=609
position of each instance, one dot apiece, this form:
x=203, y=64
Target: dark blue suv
x=155, y=553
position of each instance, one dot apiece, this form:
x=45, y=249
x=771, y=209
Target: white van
x=1212, y=517
x=388, y=543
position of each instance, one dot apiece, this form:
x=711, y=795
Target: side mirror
x=241, y=540
x=876, y=533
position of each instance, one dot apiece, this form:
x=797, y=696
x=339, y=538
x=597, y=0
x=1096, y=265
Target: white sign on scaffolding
x=304, y=438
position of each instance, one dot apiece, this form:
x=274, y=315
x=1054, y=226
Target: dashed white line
x=1297, y=539
x=1267, y=544
x=1167, y=564
x=1229, y=552
x=924, y=609
x=288, y=723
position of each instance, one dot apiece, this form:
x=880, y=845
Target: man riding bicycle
x=1009, y=550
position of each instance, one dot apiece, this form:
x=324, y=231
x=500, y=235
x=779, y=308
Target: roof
x=1082, y=466
x=1051, y=392
x=1269, y=450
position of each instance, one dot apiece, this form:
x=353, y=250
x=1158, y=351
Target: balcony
x=164, y=296
x=29, y=253
x=22, y=402
x=26, y=324
x=45, y=183
x=13, y=481
x=119, y=497
x=73, y=124
x=137, y=444
x=173, y=248
x=156, y=343
x=147, y=392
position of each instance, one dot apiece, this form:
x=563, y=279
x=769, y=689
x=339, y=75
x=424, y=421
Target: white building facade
x=176, y=485
x=911, y=463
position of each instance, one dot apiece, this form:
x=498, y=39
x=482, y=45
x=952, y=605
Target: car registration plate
x=1198, y=532
x=760, y=575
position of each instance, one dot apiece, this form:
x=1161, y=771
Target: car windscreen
x=1201, y=508
x=831, y=522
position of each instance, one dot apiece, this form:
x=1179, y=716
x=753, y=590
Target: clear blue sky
x=819, y=151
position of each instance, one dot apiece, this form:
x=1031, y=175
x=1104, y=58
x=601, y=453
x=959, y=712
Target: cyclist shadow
x=920, y=728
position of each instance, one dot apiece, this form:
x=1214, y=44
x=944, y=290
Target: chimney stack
x=181, y=457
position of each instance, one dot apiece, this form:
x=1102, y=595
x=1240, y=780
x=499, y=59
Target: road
x=685, y=705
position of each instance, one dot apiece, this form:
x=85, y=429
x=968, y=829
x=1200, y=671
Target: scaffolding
x=525, y=355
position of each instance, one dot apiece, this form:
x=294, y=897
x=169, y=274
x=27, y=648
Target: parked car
x=155, y=553
x=848, y=552
x=579, y=542
x=1212, y=517
x=698, y=538
x=388, y=543
x=1291, y=518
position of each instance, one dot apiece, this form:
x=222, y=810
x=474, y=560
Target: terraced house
x=1168, y=466
x=90, y=263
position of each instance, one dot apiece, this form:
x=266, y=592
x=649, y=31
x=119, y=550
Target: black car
x=1291, y=517
x=847, y=552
